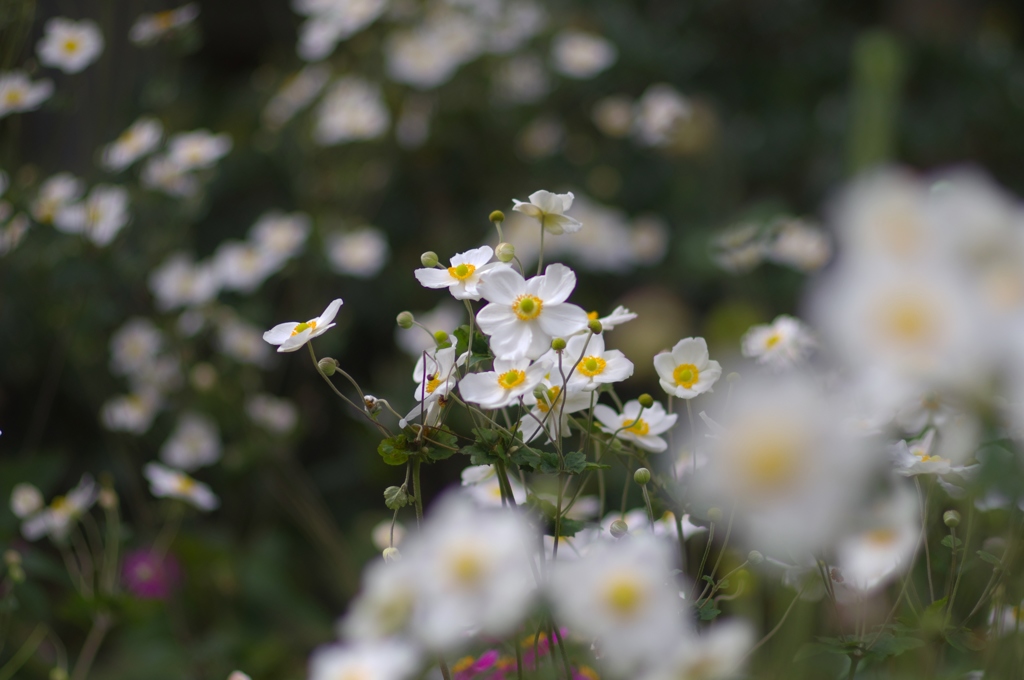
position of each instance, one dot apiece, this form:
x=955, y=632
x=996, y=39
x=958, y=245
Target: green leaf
x=965, y=640
x=394, y=450
x=989, y=557
x=888, y=645
x=481, y=349
x=948, y=541
x=524, y=456
x=708, y=610
x=548, y=462
x=576, y=462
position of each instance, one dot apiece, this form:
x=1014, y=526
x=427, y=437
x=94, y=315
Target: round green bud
x=327, y=366
x=540, y=393
x=642, y=476
x=619, y=528
x=733, y=377
x=951, y=518
x=505, y=252
x=392, y=555
x=429, y=259
x=754, y=557
x=405, y=320
x=646, y=400
x=558, y=344
x=497, y=216
x=440, y=337
x=715, y=514
x=595, y=326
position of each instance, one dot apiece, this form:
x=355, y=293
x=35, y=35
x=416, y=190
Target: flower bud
x=440, y=337
x=392, y=555
x=715, y=514
x=372, y=404
x=642, y=476
x=557, y=344
x=646, y=400
x=505, y=251
x=497, y=216
x=619, y=528
x=429, y=259
x=405, y=320
x=327, y=366
x=396, y=497
x=951, y=518
x=595, y=326
x=540, y=393
x=733, y=377
x=754, y=557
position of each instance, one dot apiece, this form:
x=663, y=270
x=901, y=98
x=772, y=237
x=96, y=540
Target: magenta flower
x=150, y=576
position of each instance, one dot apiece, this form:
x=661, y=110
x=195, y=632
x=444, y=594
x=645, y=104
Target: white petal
x=527, y=209
x=296, y=341
x=502, y=286
x=691, y=351
x=561, y=321
x=562, y=224
x=281, y=332
x=434, y=278
x=546, y=201
x=329, y=313
x=557, y=284
x=512, y=340
x=477, y=257
x=493, y=317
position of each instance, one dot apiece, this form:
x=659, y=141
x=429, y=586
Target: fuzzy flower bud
x=557, y=344
x=327, y=366
x=497, y=216
x=754, y=557
x=646, y=400
x=595, y=326
x=619, y=528
x=392, y=555
x=429, y=259
x=405, y=320
x=505, y=252
x=951, y=518
x=642, y=476
x=715, y=514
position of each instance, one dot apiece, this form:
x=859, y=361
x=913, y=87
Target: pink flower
x=150, y=576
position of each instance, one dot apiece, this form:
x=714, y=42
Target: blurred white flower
x=381, y=533
x=482, y=484
x=613, y=115
x=167, y=483
x=243, y=266
x=141, y=138
x=351, y=110
x=238, y=675
x=295, y=94
x=18, y=93
x=180, y=282
x=70, y=45
x=194, y=443
x=784, y=343
x=1007, y=619
x=687, y=370
x=362, y=252
x=541, y=138
x=134, y=346
x=100, y=217
x=636, y=424
x=463, y=277
x=131, y=413
x=26, y=500
x=56, y=519
x=272, y=413
x=716, y=654
x=386, y=660
x=582, y=55
x=658, y=114
x=54, y=193
x=739, y=248
x=292, y=335
x=13, y=232
x=885, y=545
x=149, y=28
x=331, y=21
x=197, y=149
x=242, y=341
x=384, y=607
x=648, y=240
x=281, y=235
x=429, y=54
x=799, y=245
x=521, y=80
x=164, y=174
x=413, y=126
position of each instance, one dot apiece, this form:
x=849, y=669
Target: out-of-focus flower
x=382, y=532
x=18, y=93
x=26, y=500
x=56, y=519
x=385, y=660
x=149, y=28
x=521, y=80
x=238, y=675
x=272, y=413
x=581, y=55
x=134, y=346
x=636, y=424
x=463, y=277
x=482, y=484
x=687, y=371
x=197, y=149
x=180, y=282
x=510, y=380
x=242, y=341
x=331, y=21
x=351, y=110
x=658, y=114
x=149, y=575
x=70, y=45
x=413, y=126
x=799, y=245
x=784, y=343
x=56, y=192
x=131, y=413
x=542, y=137
x=886, y=544
x=243, y=266
x=613, y=115
x=167, y=483
x=548, y=209
x=384, y=607
x=13, y=232
x=281, y=235
x=1007, y=619
x=194, y=443
x=295, y=94
x=142, y=137
x=100, y=217
x=717, y=654
x=164, y=174
x=429, y=54
x=362, y=252
x=446, y=316
x=619, y=316
x=739, y=248
x=292, y=335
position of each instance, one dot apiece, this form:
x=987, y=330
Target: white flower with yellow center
x=623, y=594
x=523, y=316
x=163, y=174
x=18, y=93
x=783, y=343
x=1007, y=619
x=197, y=149
x=482, y=484
x=463, y=277
x=134, y=346
x=26, y=500
x=244, y=266
x=141, y=138
x=273, y=414
x=56, y=519
x=362, y=252
x=595, y=366
x=70, y=45
x=549, y=209
x=149, y=28
x=885, y=545
x=510, y=380
x=619, y=316
x=241, y=341
x=131, y=412
x=717, y=654
x=296, y=93
x=384, y=607
x=386, y=660
x=56, y=192
x=687, y=371
x=352, y=109
x=921, y=457
x=165, y=482
x=551, y=411
x=180, y=281
x=637, y=424
x=280, y=235
x=581, y=55
x=100, y=217
x=292, y=335
x=435, y=377
x=194, y=443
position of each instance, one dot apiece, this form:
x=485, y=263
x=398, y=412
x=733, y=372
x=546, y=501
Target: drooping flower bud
x=429, y=259
x=715, y=514
x=619, y=528
x=646, y=400
x=951, y=518
x=505, y=251
x=497, y=216
x=327, y=366
x=642, y=476
x=405, y=320
x=441, y=338
x=754, y=557
x=595, y=326
x=392, y=555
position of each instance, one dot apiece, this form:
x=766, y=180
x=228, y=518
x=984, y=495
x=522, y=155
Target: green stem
x=923, y=502
x=777, y=627
x=416, y=490
x=24, y=653
x=101, y=624
x=963, y=560
x=647, y=502
x=540, y=254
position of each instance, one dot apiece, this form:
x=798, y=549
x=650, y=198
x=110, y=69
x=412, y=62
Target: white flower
x=18, y=93
x=619, y=316
x=381, y=534
x=510, y=380
x=639, y=523
x=296, y=93
x=271, y=413
x=141, y=138
x=1007, y=619
x=332, y=21
x=548, y=208
x=167, y=483
x=800, y=245
x=281, y=235
x=551, y=412
x=429, y=55
x=242, y=341
x=194, y=443
x=658, y=115
x=687, y=371
x=522, y=79
x=56, y=519
x=387, y=660
x=582, y=55
x=624, y=595
x=197, y=149
x=163, y=173
x=26, y=500
x=523, y=316
x=920, y=457
x=594, y=365
x=383, y=609
x=435, y=377
x=55, y=193
x=637, y=425
x=482, y=484
x=100, y=217
x=361, y=253
x=292, y=335
x=783, y=343
x=149, y=28
x=70, y=45
x=134, y=346
x=131, y=413
x=613, y=115
x=717, y=654
x=885, y=546
x=238, y=675
x=243, y=266
x=351, y=110
x=179, y=282
x=463, y=277
x=13, y=232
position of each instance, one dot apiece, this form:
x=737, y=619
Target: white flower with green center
x=56, y=519
x=637, y=424
x=292, y=335
x=464, y=276
x=619, y=316
x=70, y=45
x=435, y=377
x=18, y=93
x=783, y=343
x=687, y=371
x=523, y=316
x=595, y=366
x=165, y=482
x=510, y=380
x=141, y=138
x=385, y=660
x=549, y=209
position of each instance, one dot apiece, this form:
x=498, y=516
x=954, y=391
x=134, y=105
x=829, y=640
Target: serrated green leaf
x=393, y=450
x=708, y=610
x=949, y=542
x=575, y=462
x=989, y=557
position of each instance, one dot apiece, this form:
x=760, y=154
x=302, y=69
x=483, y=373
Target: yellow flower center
x=59, y=504
x=686, y=375
x=638, y=426
x=549, y=400
x=908, y=322
x=71, y=45
x=772, y=340
x=432, y=383
x=527, y=307
x=923, y=456
x=623, y=595
x=14, y=97
x=164, y=20
x=510, y=379
x=467, y=567
x=881, y=537
x=303, y=326
x=462, y=271
x=591, y=366
x=185, y=485
x=768, y=458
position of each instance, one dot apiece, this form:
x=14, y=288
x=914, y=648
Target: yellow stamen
x=303, y=326
x=70, y=45
x=432, y=383
x=467, y=567
x=772, y=340
x=462, y=271
x=591, y=366
x=14, y=97
x=552, y=395
x=686, y=375
x=510, y=379
x=907, y=322
x=592, y=316
x=623, y=595
x=527, y=307
x=881, y=537
x=462, y=664
x=185, y=484
x=638, y=426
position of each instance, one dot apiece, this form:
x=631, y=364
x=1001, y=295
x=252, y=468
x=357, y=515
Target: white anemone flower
x=923, y=457
x=387, y=660
x=384, y=607
x=165, y=482
x=638, y=522
x=619, y=316
x=292, y=335
x=549, y=209
x=783, y=343
x=56, y=192
x=243, y=266
x=463, y=278
x=637, y=424
x=581, y=55
x=194, y=443
x=180, y=282
x=100, y=217
x=1007, y=619
x=70, y=45
x=523, y=316
x=482, y=484
x=510, y=380
x=164, y=174
x=550, y=413
x=131, y=412
x=687, y=371
x=296, y=93
x=242, y=341
x=623, y=594
x=197, y=149
x=142, y=137
x=149, y=28
x=595, y=366
x=56, y=519
x=885, y=546
x=281, y=235
x=18, y=93
x=273, y=414
x=717, y=654
x=362, y=252
x=351, y=110
x=134, y=346
x=26, y=500
x=435, y=377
